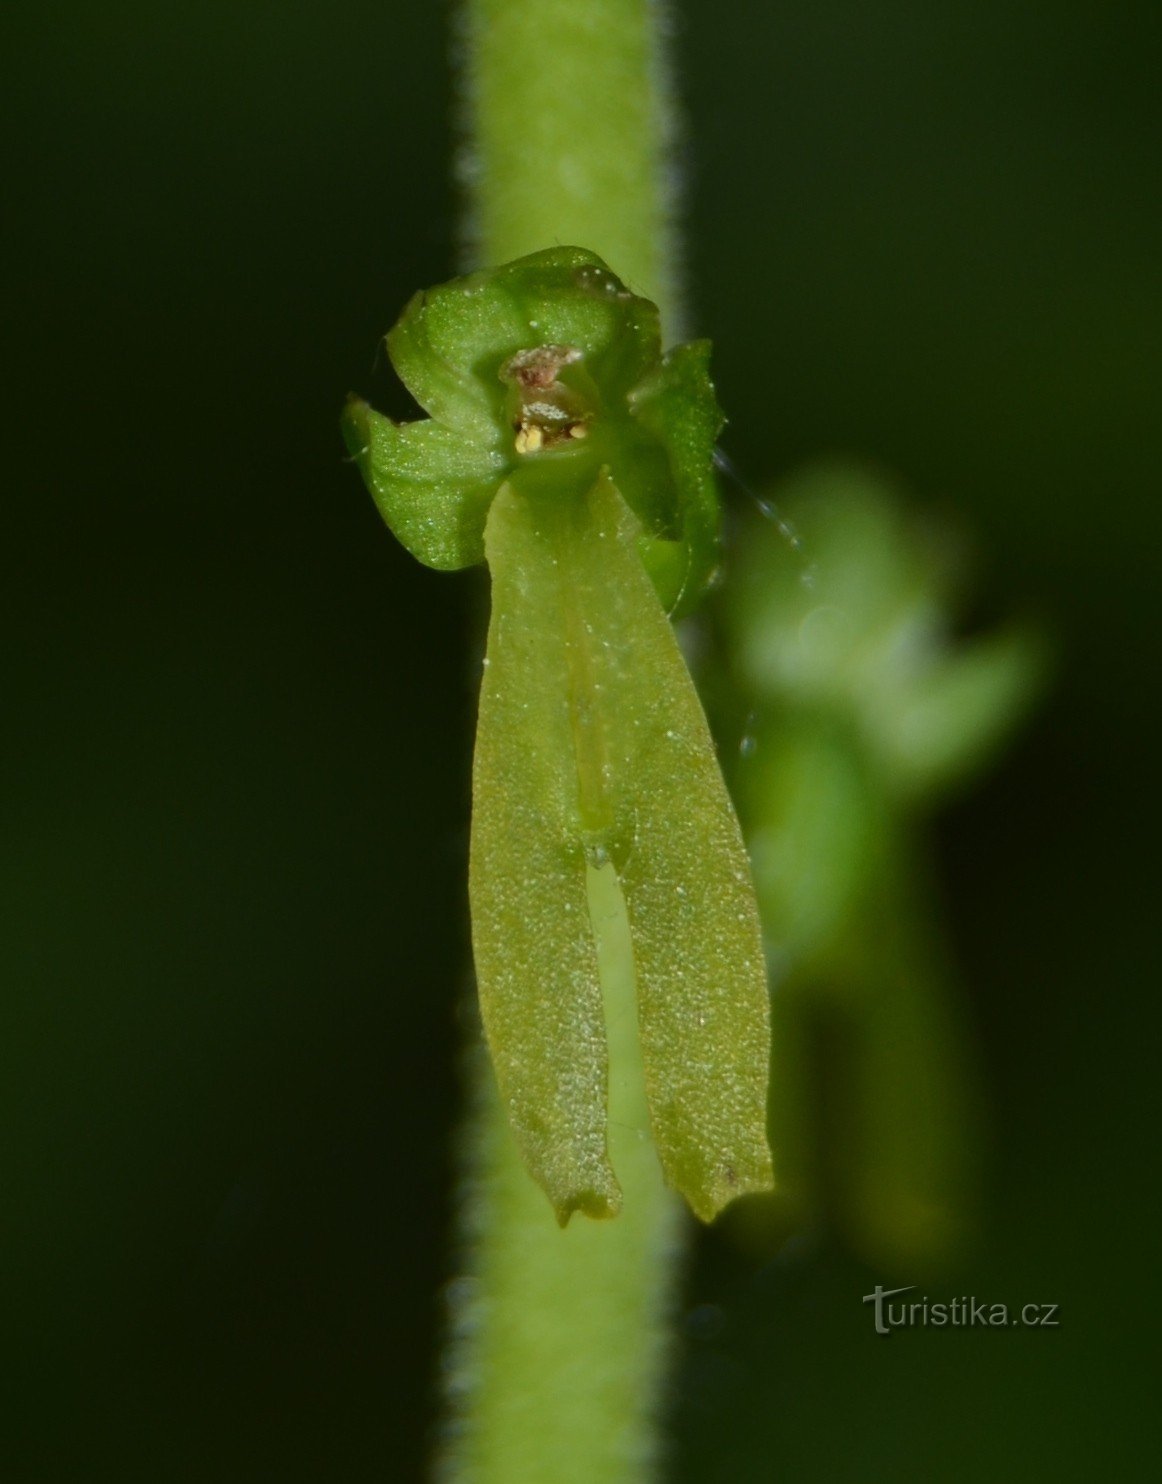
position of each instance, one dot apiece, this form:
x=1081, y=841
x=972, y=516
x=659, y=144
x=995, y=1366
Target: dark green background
x=237, y=716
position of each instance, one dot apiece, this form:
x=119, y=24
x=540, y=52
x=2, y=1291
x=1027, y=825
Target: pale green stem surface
x=558, y=1346
x=569, y=129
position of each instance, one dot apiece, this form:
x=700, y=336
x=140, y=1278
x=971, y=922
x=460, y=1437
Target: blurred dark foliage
x=238, y=716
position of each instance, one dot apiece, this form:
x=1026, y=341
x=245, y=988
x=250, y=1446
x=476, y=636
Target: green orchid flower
x=568, y=452
x=540, y=374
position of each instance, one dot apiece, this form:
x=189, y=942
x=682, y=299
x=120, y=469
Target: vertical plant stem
x=568, y=138
x=558, y=1346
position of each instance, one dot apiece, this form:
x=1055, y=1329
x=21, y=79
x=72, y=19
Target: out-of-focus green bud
x=542, y=373
x=858, y=620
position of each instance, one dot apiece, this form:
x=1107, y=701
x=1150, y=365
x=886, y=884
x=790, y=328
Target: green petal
x=432, y=486
x=592, y=744
x=436, y=344
x=677, y=404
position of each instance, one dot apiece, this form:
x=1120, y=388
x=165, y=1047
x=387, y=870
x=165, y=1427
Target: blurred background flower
x=860, y=713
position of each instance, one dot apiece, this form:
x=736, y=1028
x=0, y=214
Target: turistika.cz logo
x=957, y=1313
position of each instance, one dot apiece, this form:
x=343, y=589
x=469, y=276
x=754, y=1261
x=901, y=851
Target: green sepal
x=432, y=486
